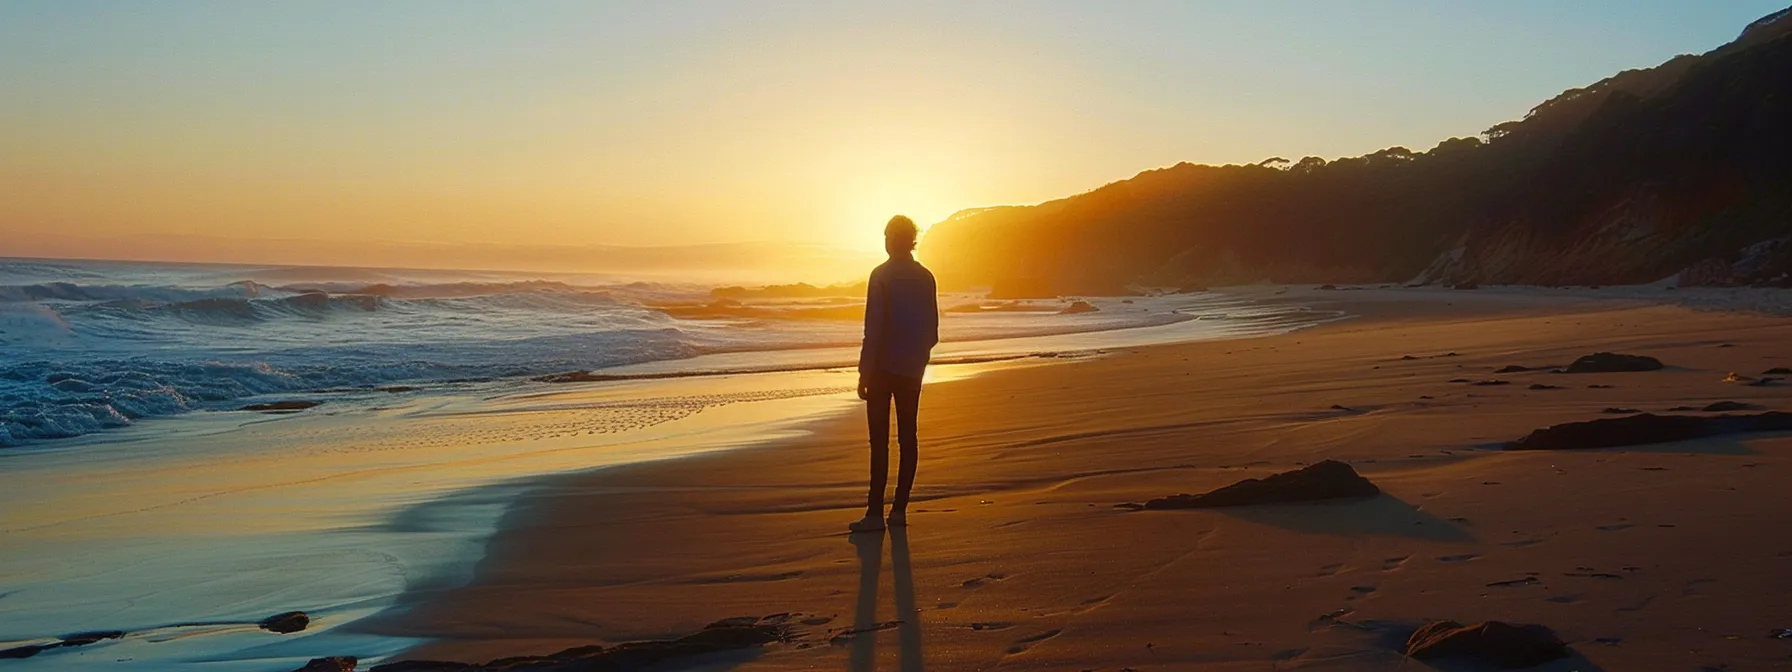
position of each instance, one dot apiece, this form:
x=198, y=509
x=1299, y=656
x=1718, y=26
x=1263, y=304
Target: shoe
x=866, y=524
x=898, y=519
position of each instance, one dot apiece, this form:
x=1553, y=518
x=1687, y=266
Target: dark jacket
x=902, y=319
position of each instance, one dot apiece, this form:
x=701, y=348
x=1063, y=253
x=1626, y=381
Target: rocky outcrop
x=1767, y=263
x=1647, y=428
x=286, y=622
x=1611, y=362
x=1078, y=307
x=1503, y=644
x=1330, y=479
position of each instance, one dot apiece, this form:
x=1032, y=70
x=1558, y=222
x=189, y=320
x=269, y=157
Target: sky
x=195, y=130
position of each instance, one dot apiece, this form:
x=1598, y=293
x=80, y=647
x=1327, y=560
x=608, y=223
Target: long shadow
x=1382, y=515
x=863, y=657
x=908, y=633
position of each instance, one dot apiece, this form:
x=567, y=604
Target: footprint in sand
x=1691, y=588
x=1091, y=603
x=1392, y=564
x=982, y=580
x=1330, y=619
x=1639, y=606
x=1565, y=599
x=1614, y=527
x=1024, y=643
x=1465, y=557
x=1331, y=569
x=1522, y=543
x=991, y=626
x=1362, y=590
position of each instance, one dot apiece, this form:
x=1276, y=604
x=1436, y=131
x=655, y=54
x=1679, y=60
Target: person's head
x=900, y=235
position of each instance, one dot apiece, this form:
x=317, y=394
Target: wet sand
x=1668, y=556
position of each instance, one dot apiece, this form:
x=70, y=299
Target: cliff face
x=1632, y=179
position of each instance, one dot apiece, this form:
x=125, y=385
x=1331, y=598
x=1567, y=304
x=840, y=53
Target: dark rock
x=1777, y=371
x=1329, y=479
x=1647, y=428
x=1512, y=368
x=1762, y=382
x=286, y=622
x=1490, y=382
x=85, y=638
x=330, y=664
x=397, y=388
x=289, y=405
x=1078, y=307
x=1541, y=386
x=76, y=639
x=1617, y=411
x=1724, y=406
x=724, y=635
x=1503, y=644
x=26, y=651
x=1328, y=287
x=1459, y=380
x=1599, y=387
x=1611, y=362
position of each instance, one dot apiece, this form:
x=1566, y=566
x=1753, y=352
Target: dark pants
x=906, y=392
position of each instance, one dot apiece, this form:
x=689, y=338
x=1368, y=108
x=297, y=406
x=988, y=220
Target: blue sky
x=684, y=122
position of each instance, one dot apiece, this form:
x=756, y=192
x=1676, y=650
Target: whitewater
x=88, y=346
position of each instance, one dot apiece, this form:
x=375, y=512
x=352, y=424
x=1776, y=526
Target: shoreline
x=609, y=557
x=341, y=510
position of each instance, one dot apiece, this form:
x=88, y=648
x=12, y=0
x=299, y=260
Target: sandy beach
x=1664, y=556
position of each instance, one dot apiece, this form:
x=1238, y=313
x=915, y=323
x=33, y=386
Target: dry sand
x=1674, y=556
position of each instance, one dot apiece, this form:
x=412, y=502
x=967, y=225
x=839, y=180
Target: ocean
x=87, y=346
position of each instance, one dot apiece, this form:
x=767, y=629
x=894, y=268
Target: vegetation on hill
x=1631, y=179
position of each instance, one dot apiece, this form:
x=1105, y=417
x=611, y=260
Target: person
x=902, y=324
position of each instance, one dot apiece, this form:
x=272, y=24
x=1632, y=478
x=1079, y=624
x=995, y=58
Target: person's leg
x=877, y=421
x=908, y=405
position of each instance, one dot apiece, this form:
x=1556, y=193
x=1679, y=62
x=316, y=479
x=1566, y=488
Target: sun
x=870, y=205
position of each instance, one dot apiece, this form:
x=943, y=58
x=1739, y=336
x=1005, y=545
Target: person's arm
x=872, y=344
x=933, y=312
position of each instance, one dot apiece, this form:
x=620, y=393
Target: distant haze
x=716, y=263
x=505, y=135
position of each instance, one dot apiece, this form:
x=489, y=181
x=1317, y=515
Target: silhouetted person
x=902, y=324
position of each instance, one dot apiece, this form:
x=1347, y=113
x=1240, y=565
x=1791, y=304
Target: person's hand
x=864, y=389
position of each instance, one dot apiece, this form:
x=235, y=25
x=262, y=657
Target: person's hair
x=902, y=228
